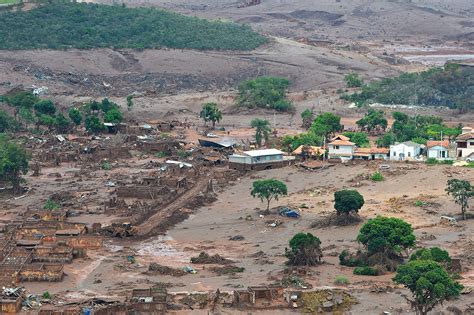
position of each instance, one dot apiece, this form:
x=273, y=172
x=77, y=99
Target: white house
x=465, y=144
x=438, y=149
x=259, y=160
x=405, y=151
x=340, y=147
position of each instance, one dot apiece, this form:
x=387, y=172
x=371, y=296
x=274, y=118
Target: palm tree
x=262, y=130
x=210, y=112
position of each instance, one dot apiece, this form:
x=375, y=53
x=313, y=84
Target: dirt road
x=147, y=227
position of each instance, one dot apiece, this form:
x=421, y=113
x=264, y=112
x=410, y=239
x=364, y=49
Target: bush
x=431, y=161
x=353, y=80
x=46, y=295
x=377, y=177
x=63, y=24
x=161, y=154
x=341, y=280
x=420, y=203
x=447, y=162
x=366, y=271
x=346, y=259
x=51, y=205
x=106, y=166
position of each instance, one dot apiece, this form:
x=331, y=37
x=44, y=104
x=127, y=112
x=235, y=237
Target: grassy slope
x=65, y=25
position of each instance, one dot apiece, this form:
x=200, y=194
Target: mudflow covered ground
x=313, y=43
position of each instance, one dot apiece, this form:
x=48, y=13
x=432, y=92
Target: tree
x=6, y=122
x=386, y=235
x=352, y=80
x=268, y=189
x=114, y=115
x=305, y=250
x=326, y=124
x=386, y=140
x=372, y=121
x=429, y=284
x=307, y=138
x=21, y=100
x=106, y=105
x=461, y=191
x=129, y=102
x=262, y=130
x=13, y=162
x=434, y=253
x=46, y=120
x=76, y=116
x=307, y=116
x=61, y=123
x=359, y=138
x=93, y=124
x=347, y=201
x=265, y=92
x=210, y=112
x=45, y=107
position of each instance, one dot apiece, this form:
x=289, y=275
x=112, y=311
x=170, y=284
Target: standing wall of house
x=468, y=150
x=438, y=152
x=341, y=150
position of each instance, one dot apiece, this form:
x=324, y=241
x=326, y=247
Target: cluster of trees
x=265, y=92
x=416, y=128
x=451, y=86
x=425, y=275
x=210, y=112
x=373, y=121
x=64, y=24
x=29, y=109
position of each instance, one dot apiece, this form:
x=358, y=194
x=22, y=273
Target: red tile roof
x=444, y=144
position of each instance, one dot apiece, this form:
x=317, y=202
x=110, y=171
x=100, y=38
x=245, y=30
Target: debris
x=290, y=213
x=205, y=258
x=446, y=219
x=237, y=238
x=165, y=270
x=189, y=269
x=228, y=269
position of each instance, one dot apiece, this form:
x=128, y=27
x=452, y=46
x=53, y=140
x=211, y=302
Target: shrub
x=431, y=161
x=346, y=259
x=51, y=205
x=46, y=295
x=366, y=271
x=341, y=280
x=377, y=177
x=353, y=80
x=106, y=166
x=420, y=203
x=161, y=154
x=447, y=162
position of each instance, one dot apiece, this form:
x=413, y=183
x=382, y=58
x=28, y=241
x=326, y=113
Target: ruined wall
x=10, y=305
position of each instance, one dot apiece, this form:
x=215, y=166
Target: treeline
x=417, y=128
x=62, y=25
x=451, y=86
x=44, y=115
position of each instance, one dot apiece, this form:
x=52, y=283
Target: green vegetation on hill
x=451, y=86
x=63, y=25
x=265, y=92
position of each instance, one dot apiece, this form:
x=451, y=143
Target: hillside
x=78, y=25
x=451, y=86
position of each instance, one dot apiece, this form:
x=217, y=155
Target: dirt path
x=152, y=222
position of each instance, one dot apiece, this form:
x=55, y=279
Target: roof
x=264, y=152
x=340, y=137
x=312, y=150
x=444, y=144
x=465, y=136
x=362, y=151
x=342, y=142
x=408, y=144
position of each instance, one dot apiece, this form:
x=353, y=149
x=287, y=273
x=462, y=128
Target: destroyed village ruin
x=236, y=157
